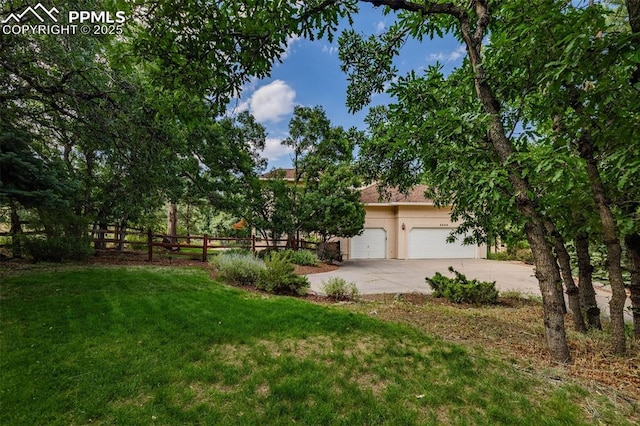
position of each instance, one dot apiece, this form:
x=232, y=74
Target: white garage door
x=372, y=244
x=429, y=243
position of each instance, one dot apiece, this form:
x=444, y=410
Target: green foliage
x=238, y=268
x=265, y=253
x=305, y=258
x=522, y=254
x=298, y=257
x=330, y=204
x=462, y=290
x=57, y=248
x=329, y=252
x=339, y=289
x=278, y=276
x=321, y=197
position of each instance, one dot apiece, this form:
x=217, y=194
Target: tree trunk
x=172, y=222
x=632, y=242
x=548, y=276
x=99, y=243
x=187, y=220
x=123, y=234
x=564, y=260
x=612, y=243
x=547, y=270
x=16, y=233
x=587, y=293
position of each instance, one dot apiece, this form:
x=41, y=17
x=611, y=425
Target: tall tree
x=370, y=65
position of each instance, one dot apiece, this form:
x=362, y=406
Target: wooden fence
x=113, y=238
x=200, y=246
x=185, y=244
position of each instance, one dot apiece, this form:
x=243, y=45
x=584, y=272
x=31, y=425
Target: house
x=288, y=175
x=405, y=226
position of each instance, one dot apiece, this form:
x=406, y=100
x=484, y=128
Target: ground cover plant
x=305, y=258
x=462, y=290
x=279, y=276
x=143, y=345
x=238, y=268
x=338, y=288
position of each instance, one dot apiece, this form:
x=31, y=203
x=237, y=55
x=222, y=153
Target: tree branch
x=428, y=8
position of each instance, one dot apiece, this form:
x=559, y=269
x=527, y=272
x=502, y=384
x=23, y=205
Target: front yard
x=141, y=345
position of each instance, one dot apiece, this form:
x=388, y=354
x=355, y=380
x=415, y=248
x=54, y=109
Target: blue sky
x=310, y=75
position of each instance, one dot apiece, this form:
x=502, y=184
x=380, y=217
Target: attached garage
x=371, y=244
x=431, y=243
x=405, y=225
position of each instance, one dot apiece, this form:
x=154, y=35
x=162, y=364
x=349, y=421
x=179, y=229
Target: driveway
x=407, y=276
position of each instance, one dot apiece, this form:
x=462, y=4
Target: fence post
x=205, y=244
x=253, y=244
x=150, y=244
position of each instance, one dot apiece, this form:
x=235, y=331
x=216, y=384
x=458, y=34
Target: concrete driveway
x=407, y=276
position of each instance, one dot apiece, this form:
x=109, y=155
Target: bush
x=523, y=255
x=305, y=258
x=299, y=257
x=236, y=250
x=238, y=268
x=339, y=289
x=461, y=290
x=58, y=249
x=278, y=276
x=265, y=253
x=329, y=252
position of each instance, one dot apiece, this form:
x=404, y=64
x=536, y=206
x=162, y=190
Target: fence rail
x=172, y=243
x=113, y=237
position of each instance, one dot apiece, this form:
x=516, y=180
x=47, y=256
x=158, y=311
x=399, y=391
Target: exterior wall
x=392, y=218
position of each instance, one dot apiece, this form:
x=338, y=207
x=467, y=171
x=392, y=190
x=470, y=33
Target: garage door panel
x=371, y=244
x=431, y=243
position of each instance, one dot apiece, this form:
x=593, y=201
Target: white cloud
x=291, y=40
x=329, y=49
x=448, y=56
x=241, y=106
x=273, y=149
x=380, y=26
x=272, y=102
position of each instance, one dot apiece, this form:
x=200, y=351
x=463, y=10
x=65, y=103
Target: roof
x=289, y=174
x=371, y=195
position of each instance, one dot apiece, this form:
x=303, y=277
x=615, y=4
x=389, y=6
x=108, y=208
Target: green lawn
x=143, y=345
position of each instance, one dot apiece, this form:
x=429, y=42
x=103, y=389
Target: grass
x=137, y=345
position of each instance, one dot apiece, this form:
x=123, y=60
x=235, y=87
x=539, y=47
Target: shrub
x=462, y=290
x=236, y=250
x=299, y=257
x=329, y=252
x=265, y=253
x=278, y=276
x=58, y=249
x=238, y=268
x=339, y=289
x=305, y=258
x=523, y=255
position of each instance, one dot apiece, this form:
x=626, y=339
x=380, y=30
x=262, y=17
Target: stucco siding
x=399, y=220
